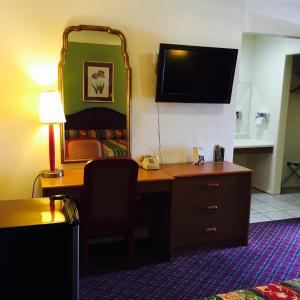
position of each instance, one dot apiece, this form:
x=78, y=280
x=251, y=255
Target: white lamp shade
x=51, y=109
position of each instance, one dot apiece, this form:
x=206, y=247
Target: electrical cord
x=33, y=186
x=158, y=132
x=158, y=122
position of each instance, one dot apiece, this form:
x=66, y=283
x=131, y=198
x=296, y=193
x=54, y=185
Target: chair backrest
x=110, y=191
x=83, y=149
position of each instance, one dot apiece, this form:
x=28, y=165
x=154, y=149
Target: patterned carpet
x=273, y=255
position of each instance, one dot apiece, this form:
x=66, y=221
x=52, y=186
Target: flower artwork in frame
x=97, y=82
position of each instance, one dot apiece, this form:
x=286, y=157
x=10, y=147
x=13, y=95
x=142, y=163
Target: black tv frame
x=162, y=96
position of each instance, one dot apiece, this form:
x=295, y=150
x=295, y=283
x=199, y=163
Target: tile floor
x=266, y=207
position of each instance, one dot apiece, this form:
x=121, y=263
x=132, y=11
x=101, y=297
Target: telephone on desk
x=149, y=162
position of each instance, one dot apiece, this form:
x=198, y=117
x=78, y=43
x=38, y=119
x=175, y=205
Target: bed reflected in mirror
x=95, y=83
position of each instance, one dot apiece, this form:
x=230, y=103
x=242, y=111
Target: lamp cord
x=158, y=132
x=33, y=186
x=158, y=121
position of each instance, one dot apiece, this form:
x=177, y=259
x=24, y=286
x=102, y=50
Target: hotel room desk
x=191, y=205
x=210, y=204
x=149, y=181
x=154, y=203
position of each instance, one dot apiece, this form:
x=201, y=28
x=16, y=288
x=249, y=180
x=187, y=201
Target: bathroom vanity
x=246, y=146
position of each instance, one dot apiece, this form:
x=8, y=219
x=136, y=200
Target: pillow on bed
x=95, y=133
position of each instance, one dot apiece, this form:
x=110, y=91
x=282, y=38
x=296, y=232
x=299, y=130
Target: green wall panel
x=73, y=75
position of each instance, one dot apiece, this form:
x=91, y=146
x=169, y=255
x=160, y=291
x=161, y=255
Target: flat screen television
x=195, y=74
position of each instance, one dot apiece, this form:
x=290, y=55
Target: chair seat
x=83, y=149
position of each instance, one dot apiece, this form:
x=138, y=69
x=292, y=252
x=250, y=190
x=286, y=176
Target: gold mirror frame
x=64, y=49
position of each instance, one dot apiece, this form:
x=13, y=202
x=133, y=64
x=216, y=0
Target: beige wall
x=267, y=56
x=31, y=33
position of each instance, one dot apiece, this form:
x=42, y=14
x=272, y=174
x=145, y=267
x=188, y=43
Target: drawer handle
x=212, y=207
x=213, y=186
x=211, y=229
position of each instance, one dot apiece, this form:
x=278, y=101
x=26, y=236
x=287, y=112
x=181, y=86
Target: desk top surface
x=28, y=212
x=206, y=169
x=74, y=178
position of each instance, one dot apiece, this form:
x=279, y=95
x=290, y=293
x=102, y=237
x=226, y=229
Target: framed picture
x=97, y=81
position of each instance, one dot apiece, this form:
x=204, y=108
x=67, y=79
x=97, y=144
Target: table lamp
x=51, y=112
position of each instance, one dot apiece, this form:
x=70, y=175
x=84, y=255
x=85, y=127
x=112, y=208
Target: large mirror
x=95, y=85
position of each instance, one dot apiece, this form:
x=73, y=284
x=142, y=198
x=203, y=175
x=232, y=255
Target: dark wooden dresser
x=202, y=205
x=211, y=204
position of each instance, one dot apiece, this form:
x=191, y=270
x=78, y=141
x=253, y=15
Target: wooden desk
x=210, y=204
x=206, y=169
x=153, y=206
x=197, y=204
x=149, y=181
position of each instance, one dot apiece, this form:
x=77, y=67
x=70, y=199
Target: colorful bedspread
x=289, y=290
x=114, y=147
x=113, y=142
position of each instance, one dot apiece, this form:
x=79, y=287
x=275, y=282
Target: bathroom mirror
x=243, y=109
x=95, y=85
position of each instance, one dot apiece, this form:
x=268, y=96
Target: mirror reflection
x=243, y=108
x=95, y=84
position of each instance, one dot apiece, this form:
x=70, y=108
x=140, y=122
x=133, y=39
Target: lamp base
x=52, y=174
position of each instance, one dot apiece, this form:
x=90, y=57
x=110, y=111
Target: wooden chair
x=83, y=149
x=109, y=202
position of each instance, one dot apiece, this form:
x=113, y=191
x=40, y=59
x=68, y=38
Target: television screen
x=195, y=74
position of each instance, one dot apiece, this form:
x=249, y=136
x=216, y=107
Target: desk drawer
x=210, y=208
x=196, y=231
x=211, y=194
x=212, y=187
